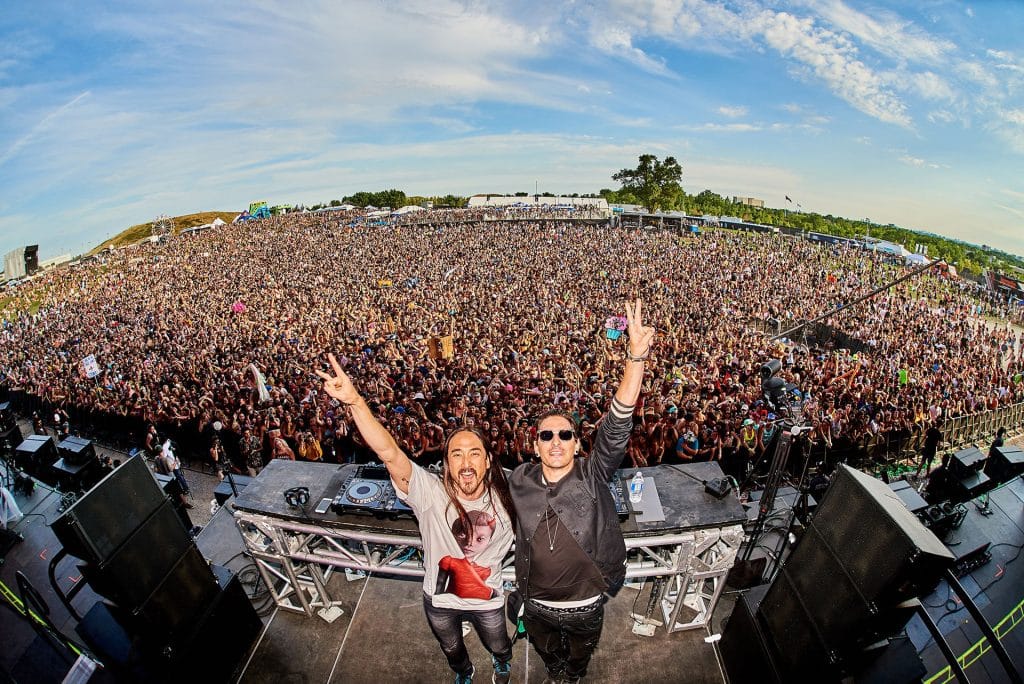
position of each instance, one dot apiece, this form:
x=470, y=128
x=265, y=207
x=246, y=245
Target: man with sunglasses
x=570, y=553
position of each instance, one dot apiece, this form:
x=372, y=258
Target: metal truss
x=295, y=560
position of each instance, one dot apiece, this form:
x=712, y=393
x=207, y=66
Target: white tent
x=407, y=209
x=916, y=259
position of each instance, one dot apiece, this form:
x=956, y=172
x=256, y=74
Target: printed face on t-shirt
x=474, y=540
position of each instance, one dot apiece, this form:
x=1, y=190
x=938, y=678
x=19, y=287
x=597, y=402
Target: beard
x=468, y=481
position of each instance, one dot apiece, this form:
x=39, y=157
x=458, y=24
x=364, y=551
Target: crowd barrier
x=884, y=451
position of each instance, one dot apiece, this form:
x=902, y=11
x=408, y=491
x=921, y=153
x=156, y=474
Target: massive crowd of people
x=175, y=326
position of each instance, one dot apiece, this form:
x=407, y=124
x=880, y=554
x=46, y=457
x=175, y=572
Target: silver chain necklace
x=551, y=537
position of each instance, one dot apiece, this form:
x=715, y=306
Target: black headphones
x=297, y=497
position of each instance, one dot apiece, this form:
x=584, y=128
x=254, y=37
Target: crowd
x=174, y=328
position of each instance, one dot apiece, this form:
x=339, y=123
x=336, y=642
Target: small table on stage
x=693, y=546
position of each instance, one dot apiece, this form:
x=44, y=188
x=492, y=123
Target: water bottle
x=636, y=487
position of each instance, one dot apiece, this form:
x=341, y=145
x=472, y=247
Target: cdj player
x=369, y=490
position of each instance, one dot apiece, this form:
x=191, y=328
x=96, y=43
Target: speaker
x=223, y=491
x=102, y=520
x=35, y=455
x=77, y=450
x=133, y=571
x=182, y=597
x=8, y=420
x=861, y=555
x=745, y=648
x=218, y=645
x=31, y=259
x=9, y=438
x=211, y=650
x=966, y=462
x=1006, y=463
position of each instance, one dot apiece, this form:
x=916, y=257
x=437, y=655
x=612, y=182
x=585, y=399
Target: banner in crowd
x=89, y=366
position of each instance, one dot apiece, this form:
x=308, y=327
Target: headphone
x=297, y=497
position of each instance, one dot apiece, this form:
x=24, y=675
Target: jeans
x=446, y=624
x=564, y=641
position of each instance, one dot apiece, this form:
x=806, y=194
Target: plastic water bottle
x=636, y=487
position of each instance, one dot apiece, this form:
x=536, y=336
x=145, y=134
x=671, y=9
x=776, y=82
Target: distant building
x=55, y=261
x=749, y=201
x=537, y=201
x=21, y=262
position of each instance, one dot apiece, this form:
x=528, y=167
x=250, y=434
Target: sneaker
x=466, y=678
x=502, y=672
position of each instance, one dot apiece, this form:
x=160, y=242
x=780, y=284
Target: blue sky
x=114, y=113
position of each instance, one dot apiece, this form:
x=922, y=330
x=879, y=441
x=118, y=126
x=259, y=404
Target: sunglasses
x=548, y=435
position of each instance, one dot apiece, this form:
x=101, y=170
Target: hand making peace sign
x=641, y=337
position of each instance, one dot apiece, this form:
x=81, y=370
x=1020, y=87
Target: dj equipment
x=297, y=497
x=618, y=497
x=369, y=490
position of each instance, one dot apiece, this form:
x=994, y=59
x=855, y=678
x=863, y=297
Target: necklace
x=547, y=525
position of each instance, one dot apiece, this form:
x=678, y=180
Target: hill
x=131, y=235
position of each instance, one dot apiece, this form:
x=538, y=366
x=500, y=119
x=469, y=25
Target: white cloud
x=39, y=128
x=618, y=42
x=732, y=112
x=832, y=59
x=887, y=33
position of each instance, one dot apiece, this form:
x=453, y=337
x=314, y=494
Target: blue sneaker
x=465, y=678
x=502, y=672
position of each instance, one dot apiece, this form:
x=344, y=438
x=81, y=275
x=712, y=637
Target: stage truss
x=296, y=559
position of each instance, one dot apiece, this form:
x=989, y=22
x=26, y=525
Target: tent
x=917, y=260
x=407, y=209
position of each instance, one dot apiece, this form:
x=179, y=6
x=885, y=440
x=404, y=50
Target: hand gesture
x=339, y=386
x=640, y=336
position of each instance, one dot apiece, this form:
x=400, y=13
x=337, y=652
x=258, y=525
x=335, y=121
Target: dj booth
x=348, y=518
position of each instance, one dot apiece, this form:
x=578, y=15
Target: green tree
x=655, y=183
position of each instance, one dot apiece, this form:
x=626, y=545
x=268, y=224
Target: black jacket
x=581, y=501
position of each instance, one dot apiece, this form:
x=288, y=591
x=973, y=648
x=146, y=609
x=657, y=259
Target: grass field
x=137, y=232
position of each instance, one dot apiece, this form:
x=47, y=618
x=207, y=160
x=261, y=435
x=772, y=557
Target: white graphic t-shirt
x=463, y=566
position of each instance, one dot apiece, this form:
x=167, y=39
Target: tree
x=654, y=183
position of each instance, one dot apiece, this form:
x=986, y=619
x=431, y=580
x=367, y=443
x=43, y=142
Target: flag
x=787, y=199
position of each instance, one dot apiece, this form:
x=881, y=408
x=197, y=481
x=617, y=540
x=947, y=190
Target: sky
x=114, y=113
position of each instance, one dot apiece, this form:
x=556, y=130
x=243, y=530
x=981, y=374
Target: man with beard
x=570, y=553
x=466, y=521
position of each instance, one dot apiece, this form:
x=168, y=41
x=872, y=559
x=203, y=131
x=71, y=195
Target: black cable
x=981, y=590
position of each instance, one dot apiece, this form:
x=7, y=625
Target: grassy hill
x=139, y=231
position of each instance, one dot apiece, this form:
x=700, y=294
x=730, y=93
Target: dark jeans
x=564, y=641
x=446, y=624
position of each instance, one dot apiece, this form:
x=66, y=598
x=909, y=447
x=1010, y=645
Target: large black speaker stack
x=137, y=553
x=10, y=433
x=1006, y=463
x=31, y=259
x=36, y=455
x=835, y=599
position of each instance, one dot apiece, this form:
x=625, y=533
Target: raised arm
x=640, y=340
x=340, y=387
